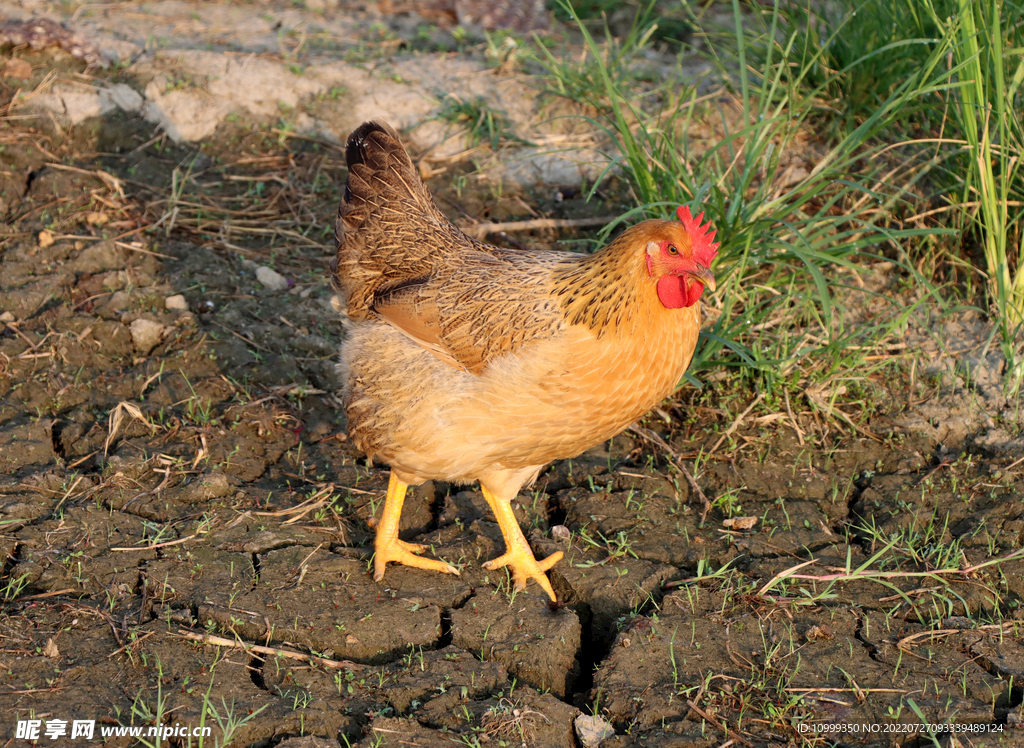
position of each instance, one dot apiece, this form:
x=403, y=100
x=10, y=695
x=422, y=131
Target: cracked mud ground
x=186, y=532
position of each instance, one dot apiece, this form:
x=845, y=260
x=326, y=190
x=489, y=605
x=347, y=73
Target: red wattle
x=674, y=294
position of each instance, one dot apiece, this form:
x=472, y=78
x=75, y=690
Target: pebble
x=271, y=278
x=740, y=523
x=176, y=302
x=45, y=239
x=146, y=335
x=592, y=731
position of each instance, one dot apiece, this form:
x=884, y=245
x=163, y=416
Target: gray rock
x=271, y=279
x=146, y=335
x=592, y=731
x=176, y=303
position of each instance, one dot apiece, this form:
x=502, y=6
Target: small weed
x=481, y=122
x=728, y=502
x=510, y=719
x=14, y=587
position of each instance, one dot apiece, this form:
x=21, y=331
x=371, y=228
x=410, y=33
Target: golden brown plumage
x=468, y=362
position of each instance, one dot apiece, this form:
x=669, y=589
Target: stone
x=271, y=279
x=176, y=303
x=592, y=731
x=146, y=335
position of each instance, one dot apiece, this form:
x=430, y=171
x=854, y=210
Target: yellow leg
x=518, y=555
x=387, y=546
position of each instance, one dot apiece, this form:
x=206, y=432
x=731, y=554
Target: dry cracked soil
x=186, y=533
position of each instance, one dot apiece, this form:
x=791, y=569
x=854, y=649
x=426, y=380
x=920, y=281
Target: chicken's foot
x=518, y=555
x=387, y=546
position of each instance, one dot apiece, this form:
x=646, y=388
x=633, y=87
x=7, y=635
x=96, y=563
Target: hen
x=466, y=362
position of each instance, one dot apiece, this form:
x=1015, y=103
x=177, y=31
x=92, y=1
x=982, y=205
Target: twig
x=158, y=136
x=867, y=576
x=219, y=641
x=814, y=396
x=253, y=343
x=132, y=248
x=792, y=419
x=946, y=461
x=1010, y=467
x=735, y=424
x=677, y=460
x=107, y=178
x=829, y=689
x=80, y=460
x=309, y=138
x=130, y=644
x=117, y=416
x=728, y=733
x=68, y=493
x=43, y=595
x=32, y=346
x=179, y=541
x=906, y=641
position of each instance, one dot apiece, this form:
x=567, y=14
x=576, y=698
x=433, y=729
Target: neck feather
x=611, y=290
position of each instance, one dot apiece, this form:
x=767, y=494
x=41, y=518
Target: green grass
x=862, y=50
x=853, y=54
x=481, y=122
x=781, y=229
x=987, y=40
x=672, y=24
x=229, y=721
x=583, y=79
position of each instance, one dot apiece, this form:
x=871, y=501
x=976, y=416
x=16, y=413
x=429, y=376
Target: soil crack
x=56, y=429
x=596, y=643
x=255, y=668
x=870, y=648
x=556, y=512
x=256, y=567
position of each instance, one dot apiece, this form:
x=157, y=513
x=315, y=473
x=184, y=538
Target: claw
x=524, y=566
x=518, y=556
x=401, y=553
x=387, y=546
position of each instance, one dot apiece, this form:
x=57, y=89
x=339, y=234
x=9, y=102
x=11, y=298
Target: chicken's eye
x=672, y=250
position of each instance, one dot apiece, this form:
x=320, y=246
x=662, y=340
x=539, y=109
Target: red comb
x=704, y=249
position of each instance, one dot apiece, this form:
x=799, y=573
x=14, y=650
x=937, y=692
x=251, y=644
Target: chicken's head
x=679, y=259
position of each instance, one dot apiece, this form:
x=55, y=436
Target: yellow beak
x=705, y=276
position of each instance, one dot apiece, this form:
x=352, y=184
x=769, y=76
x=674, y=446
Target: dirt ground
x=186, y=532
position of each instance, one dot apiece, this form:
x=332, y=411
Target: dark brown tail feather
x=388, y=229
